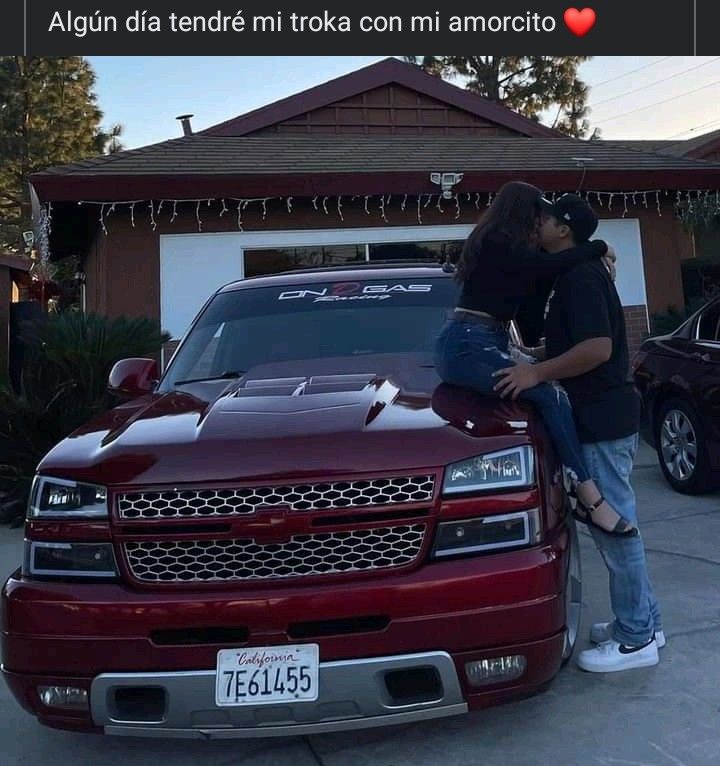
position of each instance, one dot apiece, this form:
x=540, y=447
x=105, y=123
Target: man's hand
x=514, y=380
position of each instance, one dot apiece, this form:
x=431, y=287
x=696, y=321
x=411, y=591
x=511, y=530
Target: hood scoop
x=305, y=386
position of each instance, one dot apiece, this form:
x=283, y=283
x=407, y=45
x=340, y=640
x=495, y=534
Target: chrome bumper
x=353, y=695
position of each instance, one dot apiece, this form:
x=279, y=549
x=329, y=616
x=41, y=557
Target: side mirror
x=131, y=378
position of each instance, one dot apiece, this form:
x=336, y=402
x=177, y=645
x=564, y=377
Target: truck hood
x=283, y=421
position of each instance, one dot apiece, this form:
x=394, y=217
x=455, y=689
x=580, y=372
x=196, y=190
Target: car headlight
x=69, y=560
x=63, y=499
x=487, y=533
x=506, y=469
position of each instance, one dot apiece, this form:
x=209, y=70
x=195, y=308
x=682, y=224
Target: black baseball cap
x=574, y=212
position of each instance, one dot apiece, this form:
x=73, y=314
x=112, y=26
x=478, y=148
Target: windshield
x=243, y=329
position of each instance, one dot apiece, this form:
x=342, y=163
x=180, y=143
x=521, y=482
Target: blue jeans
x=633, y=602
x=468, y=353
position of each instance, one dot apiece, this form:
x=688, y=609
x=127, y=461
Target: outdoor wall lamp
x=446, y=181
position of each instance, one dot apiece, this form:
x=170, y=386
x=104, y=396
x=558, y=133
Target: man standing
x=586, y=349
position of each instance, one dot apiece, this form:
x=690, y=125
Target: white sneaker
x=602, y=631
x=611, y=656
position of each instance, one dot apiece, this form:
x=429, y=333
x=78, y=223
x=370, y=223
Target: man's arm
x=585, y=356
x=581, y=358
x=587, y=316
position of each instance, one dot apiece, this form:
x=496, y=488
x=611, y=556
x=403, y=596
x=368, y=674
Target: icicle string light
x=689, y=205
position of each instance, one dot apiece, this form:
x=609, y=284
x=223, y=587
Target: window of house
x=275, y=260
x=415, y=251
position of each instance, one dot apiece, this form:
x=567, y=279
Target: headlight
x=498, y=470
x=60, y=559
x=488, y=533
x=63, y=499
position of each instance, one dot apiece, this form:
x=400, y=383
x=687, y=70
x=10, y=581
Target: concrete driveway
x=663, y=716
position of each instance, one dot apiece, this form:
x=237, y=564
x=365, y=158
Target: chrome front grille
x=358, y=550
x=203, y=503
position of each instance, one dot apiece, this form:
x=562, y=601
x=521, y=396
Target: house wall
x=6, y=285
x=392, y=109
x=123, y=268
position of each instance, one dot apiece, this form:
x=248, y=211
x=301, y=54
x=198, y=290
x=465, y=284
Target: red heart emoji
x=580, y=22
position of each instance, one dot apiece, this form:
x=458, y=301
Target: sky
x=631, y=97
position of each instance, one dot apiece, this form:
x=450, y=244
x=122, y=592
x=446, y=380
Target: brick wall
x=636, y=324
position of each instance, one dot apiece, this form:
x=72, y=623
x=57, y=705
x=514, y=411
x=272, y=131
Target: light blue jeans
x=468, y=353
x=633, y=602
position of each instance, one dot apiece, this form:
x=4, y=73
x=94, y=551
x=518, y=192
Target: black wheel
x=573, y=594
x=681, y=449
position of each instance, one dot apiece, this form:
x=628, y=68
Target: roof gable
x=703, y=146
x=340, y=92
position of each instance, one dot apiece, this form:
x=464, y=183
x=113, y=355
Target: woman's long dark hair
x=513, y=213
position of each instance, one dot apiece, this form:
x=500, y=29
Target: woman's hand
x=610, y=266
x=514, y=380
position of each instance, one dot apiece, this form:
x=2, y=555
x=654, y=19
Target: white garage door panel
x=624, y=236
x=192, y=267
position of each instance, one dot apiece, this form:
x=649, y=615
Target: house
x=387, y=161
x=13, y=275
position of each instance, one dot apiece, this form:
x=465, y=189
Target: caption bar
x=164, y=27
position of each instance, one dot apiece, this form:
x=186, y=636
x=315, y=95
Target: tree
x=108, y=141
x=48, y=116
x=529, y=85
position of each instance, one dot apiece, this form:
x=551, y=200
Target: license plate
x=267, y=674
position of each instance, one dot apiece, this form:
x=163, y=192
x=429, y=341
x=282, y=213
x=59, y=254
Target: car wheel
x=573, y=594
x=681, y=448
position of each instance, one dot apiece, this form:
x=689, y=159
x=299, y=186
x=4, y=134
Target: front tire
x=681, y=449
x=573, y=594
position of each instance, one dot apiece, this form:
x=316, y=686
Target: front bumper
x=99, y=635
x=352, y=695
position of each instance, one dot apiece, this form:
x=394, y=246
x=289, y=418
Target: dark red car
x=678, y=376
x=297, y=529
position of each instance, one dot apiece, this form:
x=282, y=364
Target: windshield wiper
x=227, y=375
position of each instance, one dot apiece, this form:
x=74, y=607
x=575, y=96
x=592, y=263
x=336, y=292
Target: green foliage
x=529, y=85
x=48, y=116
x=69, y=357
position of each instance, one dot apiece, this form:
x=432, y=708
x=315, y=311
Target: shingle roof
x=685, y=148
x=645, y=145
x=236, y=156
x=14, y=262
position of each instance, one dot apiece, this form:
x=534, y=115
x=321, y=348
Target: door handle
x=700, y=357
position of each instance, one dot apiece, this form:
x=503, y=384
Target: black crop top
x=505, y=277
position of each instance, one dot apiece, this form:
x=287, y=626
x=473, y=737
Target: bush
x=67, y=362
x=664, y=324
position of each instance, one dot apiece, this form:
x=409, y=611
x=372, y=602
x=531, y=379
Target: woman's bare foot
x=594, y=509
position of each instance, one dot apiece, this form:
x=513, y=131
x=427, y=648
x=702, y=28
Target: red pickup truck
x=297, y=529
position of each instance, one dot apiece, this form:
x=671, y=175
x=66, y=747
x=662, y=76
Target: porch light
x=496, y=669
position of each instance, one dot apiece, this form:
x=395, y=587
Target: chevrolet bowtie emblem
x=275, y=525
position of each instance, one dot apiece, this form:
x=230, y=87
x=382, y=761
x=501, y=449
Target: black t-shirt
x=506, y=276
x=585, y=305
